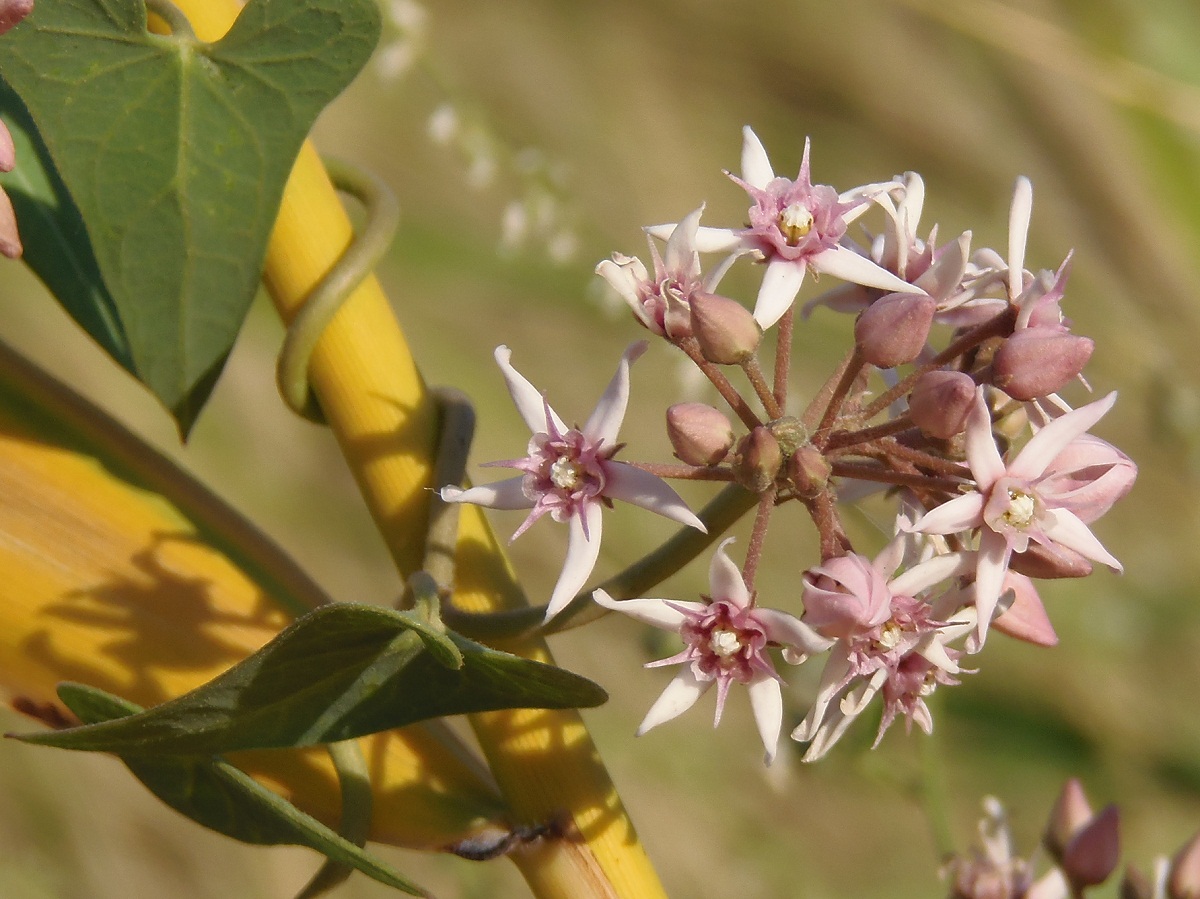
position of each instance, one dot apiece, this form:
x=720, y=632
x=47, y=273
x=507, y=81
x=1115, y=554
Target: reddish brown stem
x=685, y=472
x=840, y=439
x=783, y=356
x=762, y=519
x=755, y=374
x=861, y=471
x=849, y=374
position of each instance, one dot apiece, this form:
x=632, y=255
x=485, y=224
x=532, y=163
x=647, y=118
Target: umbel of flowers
x=950, y=347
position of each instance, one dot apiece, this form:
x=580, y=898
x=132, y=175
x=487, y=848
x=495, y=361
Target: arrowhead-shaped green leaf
x=342, y=671
x=176, y=153
x=223, y=798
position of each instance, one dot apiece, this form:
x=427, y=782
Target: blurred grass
x=1098, y=101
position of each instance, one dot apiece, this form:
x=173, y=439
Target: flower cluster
x=948, y=399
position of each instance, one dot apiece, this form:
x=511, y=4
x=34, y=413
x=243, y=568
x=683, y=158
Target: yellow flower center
x=795, y=221
x=1021, y=509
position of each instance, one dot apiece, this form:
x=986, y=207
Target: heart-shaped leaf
x=223, y=798
x=342, y=671
x=56, y=243
x=176, y=153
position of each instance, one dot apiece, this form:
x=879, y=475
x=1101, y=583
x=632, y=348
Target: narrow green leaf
x=176, y=153
x=342, y=671
x=223, y=798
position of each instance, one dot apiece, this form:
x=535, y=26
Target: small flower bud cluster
x=1083, y=847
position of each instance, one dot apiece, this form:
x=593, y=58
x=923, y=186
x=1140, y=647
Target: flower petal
x=606, y=418
x=1044, y=446
x=756, y=165
x=959, y=514
x=932, y=571
x=994, y=553
x=844, y=263
x=781, y=282
x=583, y=548
x=681, y=694
x=1067, y=528
x=725, y=578
x=708, y=240
x=681, y=245
x=633, y=485
x=983, y=457
x=1018, y=232
x=789, y=630
x=666, y=614
x=506, y=494
x=530, y=402
x=767, y=702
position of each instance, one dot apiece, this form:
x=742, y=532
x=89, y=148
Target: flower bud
x=724, y=328
x=893, y=329
x=1070, y=813
x=1049, y=562
x=1036, y=362
x=941, y=401
x=1093, y=853
x=757, y=461
x=1025, y=618
x=808, y=470
x=8, y=151
x=1184, y=880
x=700, y=434
x=12, y=12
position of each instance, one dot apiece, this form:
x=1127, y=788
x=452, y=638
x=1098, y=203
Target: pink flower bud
x=1036, y=362
x=941, y=401
x=757, y=461
x=1088, y=477
x=893, y=329
x=845, y=595
x=12, y=12
x=8, y=153
x=1026, y=618
x=1093, y=853
x=1070, y=813
x=1184, y=880
x=809, y=471
x=724, y=328
x=700, y=434
x=10, y=240
x=1050, y=562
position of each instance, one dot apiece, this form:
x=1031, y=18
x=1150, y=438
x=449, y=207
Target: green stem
x=354, y=778
x=324, y=301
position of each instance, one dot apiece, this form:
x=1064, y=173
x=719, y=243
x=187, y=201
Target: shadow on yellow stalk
x=114, y=576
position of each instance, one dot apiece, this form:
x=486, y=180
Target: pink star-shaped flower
x=1027, y=499
x=570, y=474
x=795, y=226
x=889, y=640
x=726, y=641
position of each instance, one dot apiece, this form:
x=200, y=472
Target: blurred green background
x=596, y=119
